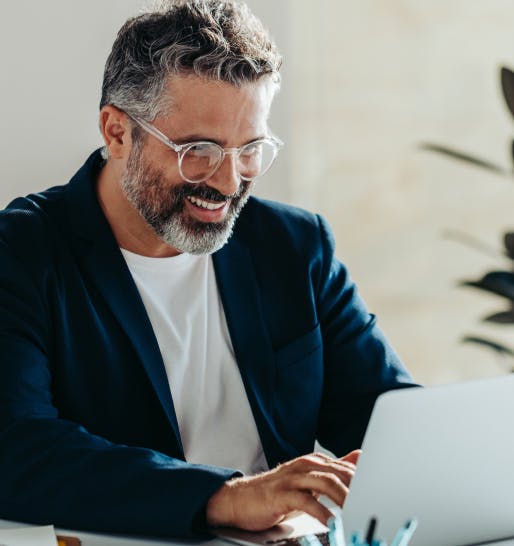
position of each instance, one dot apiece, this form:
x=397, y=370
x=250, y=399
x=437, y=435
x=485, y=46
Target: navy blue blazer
x=88, y=433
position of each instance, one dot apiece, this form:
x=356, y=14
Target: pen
x=371, y=531
x=309, y=540
x=355, y=539
x=335, y=531
x=404, y=534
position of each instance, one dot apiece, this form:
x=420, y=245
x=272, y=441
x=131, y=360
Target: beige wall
x=364, y=82
x=373, y=79
x=52, y=55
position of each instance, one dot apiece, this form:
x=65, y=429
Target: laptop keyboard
x=322, y=537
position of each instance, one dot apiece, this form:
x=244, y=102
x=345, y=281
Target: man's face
x=196, y=218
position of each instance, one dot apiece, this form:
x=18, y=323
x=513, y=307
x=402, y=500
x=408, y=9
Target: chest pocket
x=299, y=349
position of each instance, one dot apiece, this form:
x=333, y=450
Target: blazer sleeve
x=359, y=362
x=53, y=470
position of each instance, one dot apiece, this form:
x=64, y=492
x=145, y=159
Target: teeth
x=205, y=204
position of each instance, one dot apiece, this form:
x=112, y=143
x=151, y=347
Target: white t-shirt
x=181, y=298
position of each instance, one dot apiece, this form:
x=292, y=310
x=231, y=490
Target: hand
x=255, y=503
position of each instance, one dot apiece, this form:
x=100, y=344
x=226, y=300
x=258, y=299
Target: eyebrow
x=201, y=138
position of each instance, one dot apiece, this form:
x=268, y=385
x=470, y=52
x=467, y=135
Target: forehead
x=218, y=108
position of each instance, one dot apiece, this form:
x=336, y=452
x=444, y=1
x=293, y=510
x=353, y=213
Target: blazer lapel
x=240, y=294
x=112, y=277
x=102, y=260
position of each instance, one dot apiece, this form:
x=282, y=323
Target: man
x=158, y=358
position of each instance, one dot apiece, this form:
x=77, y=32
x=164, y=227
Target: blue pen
x=309, y=540
x=335, y=531
x=355, y=539
x=405, y=533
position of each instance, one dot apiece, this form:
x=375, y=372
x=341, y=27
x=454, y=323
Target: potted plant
x=500, y=281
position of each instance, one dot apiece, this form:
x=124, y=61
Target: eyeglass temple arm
x=156, y=133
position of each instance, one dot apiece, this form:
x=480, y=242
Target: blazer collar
x=241, y=296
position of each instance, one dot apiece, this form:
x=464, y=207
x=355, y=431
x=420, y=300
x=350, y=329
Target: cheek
x=156, y=169
x=165, y=162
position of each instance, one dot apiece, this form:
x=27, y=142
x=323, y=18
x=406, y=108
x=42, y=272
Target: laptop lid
x=444, y=455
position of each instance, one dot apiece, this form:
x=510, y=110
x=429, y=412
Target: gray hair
x=214, y=39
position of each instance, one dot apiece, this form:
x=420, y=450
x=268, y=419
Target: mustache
x=206, y=192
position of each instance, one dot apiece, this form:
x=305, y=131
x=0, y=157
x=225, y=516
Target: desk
x=100, y=539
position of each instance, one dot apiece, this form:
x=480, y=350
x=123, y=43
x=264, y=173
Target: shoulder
x=50, y=215
x=278, y=213
x=279, y=224
x=28, y=223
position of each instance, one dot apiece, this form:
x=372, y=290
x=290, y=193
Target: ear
x=116, y=131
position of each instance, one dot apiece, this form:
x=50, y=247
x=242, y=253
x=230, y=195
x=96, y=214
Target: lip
x=205, y=215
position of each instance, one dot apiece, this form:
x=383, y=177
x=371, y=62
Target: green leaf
x=495, y=346
x=508, y=241
x=500, y=283
x=504, y=317
x=464, y=157
x=472, y=242
x=507, y=81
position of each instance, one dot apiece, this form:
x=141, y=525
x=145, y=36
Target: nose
x=226, y=179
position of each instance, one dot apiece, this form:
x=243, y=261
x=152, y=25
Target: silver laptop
x=444, y=455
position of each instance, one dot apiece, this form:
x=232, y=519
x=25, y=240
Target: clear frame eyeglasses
x=198, y=161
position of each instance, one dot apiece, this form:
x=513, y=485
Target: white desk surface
x=98, y=539
x=101, y=539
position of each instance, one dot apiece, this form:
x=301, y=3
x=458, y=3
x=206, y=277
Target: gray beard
x=163, y=209
x=206, y=239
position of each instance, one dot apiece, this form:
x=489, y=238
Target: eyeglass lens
x=201, y=160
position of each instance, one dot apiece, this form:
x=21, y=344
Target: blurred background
x=364, y=85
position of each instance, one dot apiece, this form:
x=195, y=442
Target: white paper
x=28, y=536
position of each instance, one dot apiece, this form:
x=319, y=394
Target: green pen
x=405, y=533
x=356, y=539
x=335, y=531
x=309, y=540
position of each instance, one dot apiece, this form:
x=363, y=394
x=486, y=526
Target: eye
x=251, y=149
x=202, y=149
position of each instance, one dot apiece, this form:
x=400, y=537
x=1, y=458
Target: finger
x=344, y=462
x=290, y=515
x=321, y=463
x=307, y=503
x=343, y=472
x=352, y=457
x=321, y=483
x=348, y=458
x=317, y=461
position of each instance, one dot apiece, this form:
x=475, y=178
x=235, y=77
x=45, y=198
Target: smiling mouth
x=205, y=204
